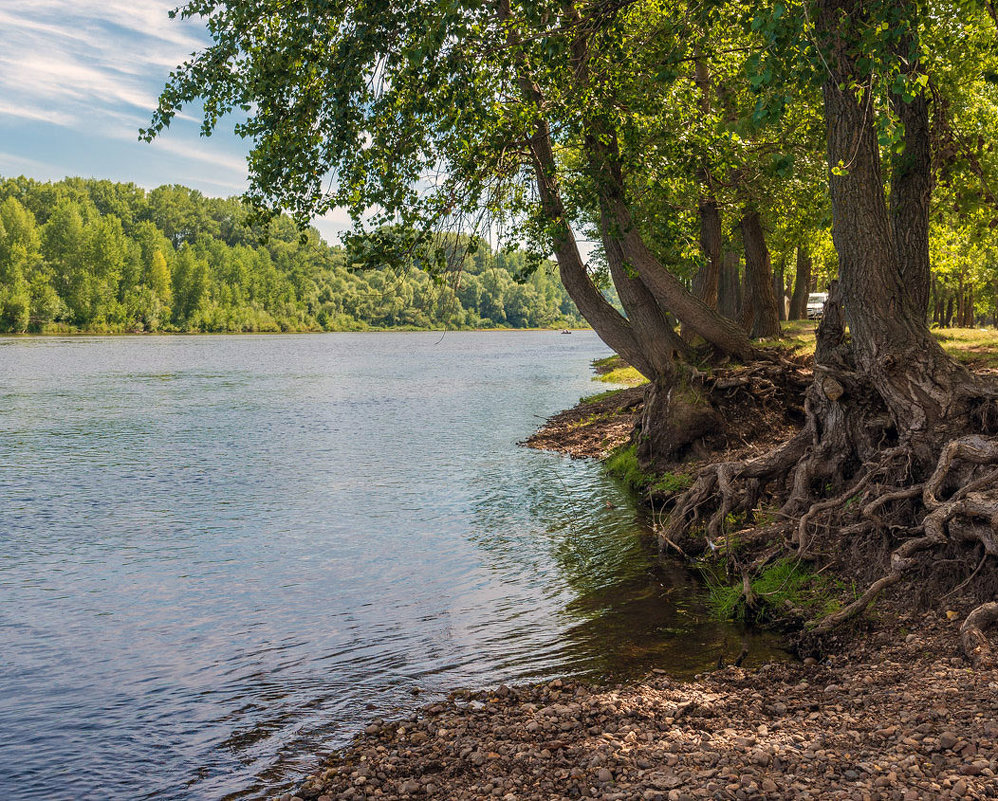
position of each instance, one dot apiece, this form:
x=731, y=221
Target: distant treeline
x=99, y=256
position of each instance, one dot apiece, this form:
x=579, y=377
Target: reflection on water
x=219, y=554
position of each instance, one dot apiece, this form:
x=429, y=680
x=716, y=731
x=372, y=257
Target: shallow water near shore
x=220, y=555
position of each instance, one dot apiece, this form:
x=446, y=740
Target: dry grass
x=975, y=347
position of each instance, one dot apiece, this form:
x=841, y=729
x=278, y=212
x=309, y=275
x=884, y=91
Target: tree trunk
x=601, y=147
x=892, y=344
x=778, y=289
x=766, y=321
x=746, y=306
x=911, y=189
x=729, y=294
x=706, y=282
x=602, y=151
x=656, y=337
x=961, y=303
x=614, y=329
x=948, y=320
x=802, y=285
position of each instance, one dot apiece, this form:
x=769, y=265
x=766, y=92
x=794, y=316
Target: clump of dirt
x=761, y=406
x=591, y=428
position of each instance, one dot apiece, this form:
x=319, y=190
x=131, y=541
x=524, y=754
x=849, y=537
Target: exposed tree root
x=975, y=645
x=848, y=472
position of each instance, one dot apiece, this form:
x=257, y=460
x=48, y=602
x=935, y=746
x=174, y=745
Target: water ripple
x=218, y=555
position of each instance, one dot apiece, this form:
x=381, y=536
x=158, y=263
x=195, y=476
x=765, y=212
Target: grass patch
x=783, y=586
x=974, y=347
x=623, y=465
x=614, y=370
x=600, y=396
x=670, y=483
x=606, y=364
x=626, y=375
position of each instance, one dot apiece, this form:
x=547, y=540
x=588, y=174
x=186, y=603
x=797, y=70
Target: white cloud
x=37, y=114
x=70, y=56
x=203, y=152
x=12, y=163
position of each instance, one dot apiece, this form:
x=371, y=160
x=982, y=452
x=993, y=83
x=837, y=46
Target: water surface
x=218, y=555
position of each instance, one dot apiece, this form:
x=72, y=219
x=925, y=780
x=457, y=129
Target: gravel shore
x=893, y=716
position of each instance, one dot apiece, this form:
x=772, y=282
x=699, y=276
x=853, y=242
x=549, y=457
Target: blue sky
x=78, y=78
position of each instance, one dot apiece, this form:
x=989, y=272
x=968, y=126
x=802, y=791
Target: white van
x=816, y=305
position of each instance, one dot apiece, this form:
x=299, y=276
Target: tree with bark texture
x=535, y=115
x=893, y=422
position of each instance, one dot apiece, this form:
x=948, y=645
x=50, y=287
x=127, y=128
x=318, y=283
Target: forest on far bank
x=98, y=256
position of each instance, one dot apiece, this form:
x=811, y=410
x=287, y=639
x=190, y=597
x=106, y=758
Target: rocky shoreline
x=885, y=719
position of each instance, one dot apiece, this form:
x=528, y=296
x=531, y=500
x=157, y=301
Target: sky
x=78, y=78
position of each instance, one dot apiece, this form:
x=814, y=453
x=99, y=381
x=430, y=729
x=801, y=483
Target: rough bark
x=706, y=282
x=729, y=289
x=911, y=190
x=707, y=279
x=904, y=363
x=766, y=320
x=802, y=284
x=656, y=337
x=746, y=306
x=779, y=292
x=615, y=330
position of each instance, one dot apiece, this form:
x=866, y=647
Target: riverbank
x=884, y=709
x=883, y=719
x=401, y=329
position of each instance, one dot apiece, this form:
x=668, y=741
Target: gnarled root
x=975, y=645
x=945, y=520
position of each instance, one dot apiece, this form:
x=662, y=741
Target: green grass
x=974, y=347
x=669, y=483
x=623, y=465
x=600, y=396
x=613, y=370
x=622, y=375
x=785, y=584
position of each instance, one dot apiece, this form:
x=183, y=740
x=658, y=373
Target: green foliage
x=105, y=257
x=669, y=483
x=786, y=585
x=623, y=465
x=599, y=396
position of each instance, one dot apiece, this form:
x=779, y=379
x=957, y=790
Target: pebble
x=887, y=727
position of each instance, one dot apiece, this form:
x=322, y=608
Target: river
x=219, y=555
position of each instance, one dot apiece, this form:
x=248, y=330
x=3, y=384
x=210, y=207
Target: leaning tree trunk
x=707, y=279
x=656, y=337
x=766, y=322
x=612, y=327
x=802, y=284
